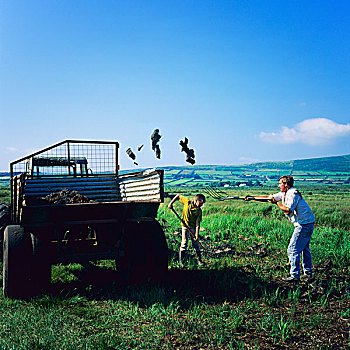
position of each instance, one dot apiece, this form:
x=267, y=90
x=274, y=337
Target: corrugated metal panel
x=141, y=195
x=85, y=187
x=95, y=188
x=142, y=186
x=142, y=198
x=49, y=189
x=140, y=179
x=139, y=186
x=87, y=193
x=69, y=182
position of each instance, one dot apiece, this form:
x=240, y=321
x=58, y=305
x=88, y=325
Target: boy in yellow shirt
x=191, y=217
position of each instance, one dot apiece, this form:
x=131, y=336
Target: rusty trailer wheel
x=41, y=265
x=17, y=255
x=146, y=253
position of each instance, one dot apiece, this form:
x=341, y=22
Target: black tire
x=146, y=253
x=41, y=265
x=5, y=218
x=17, y=255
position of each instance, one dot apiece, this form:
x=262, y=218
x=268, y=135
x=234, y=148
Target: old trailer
x=69, y=203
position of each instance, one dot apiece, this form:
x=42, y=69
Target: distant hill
x=327, y=170
x=335, y=164
x=329, y=164
x=332, y=164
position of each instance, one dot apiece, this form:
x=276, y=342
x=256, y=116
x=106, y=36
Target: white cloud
x=29, y=151
x=16, y=151
x=315, y=131
x=11, y=149
x=247, y=160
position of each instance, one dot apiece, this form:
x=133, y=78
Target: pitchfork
x=220, y=195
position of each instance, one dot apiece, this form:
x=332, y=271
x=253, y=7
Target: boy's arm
x=198, y=226
x=170, y=205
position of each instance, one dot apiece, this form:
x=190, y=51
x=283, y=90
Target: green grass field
x=236, y=301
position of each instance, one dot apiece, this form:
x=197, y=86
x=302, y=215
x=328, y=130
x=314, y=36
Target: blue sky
x=244, y=81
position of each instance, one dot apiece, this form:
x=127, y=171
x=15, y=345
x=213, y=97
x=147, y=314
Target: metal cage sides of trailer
x=70, y=204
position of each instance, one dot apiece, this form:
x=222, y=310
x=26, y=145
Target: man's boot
x=182, y=257
x=199, y=258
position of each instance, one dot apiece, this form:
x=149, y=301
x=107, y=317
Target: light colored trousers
x=299, y=246
x=184, y=241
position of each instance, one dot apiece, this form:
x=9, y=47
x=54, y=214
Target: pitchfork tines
x=218, y=194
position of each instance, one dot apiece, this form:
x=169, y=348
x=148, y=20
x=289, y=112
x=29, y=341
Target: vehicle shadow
x=185, y=287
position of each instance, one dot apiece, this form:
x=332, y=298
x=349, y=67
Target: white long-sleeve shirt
x=301, y=213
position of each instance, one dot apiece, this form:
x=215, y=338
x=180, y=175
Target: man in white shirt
x=293, y=205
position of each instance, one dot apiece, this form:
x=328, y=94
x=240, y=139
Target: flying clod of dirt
x=189, y=151
x=66, y=196
x=155, y=137
x=131, y=154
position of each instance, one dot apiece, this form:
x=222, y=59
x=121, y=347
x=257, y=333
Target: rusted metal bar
x=68, y=156
x=116, y=159
x=60, y=144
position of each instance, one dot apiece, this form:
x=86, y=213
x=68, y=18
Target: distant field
x=198, y=177
x=236, y=301
x=4, y=193
x=325, y=171
x=4, y=180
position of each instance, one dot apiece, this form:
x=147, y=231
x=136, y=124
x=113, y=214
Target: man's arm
x=272, y=200
x=262, y=198
x=285, y=209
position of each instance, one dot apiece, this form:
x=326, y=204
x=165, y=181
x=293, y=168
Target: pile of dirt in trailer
x=66, y=196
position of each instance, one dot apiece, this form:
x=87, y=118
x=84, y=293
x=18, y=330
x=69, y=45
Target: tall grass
x=263, y=222
x=235, y=302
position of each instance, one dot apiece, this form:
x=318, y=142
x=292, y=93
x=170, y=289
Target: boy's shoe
x=182, y=257
x=290, y=279
x=199, y=258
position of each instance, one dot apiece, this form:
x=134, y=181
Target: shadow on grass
x=185, y=287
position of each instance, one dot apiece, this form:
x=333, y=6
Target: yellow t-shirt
x=190, y=214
